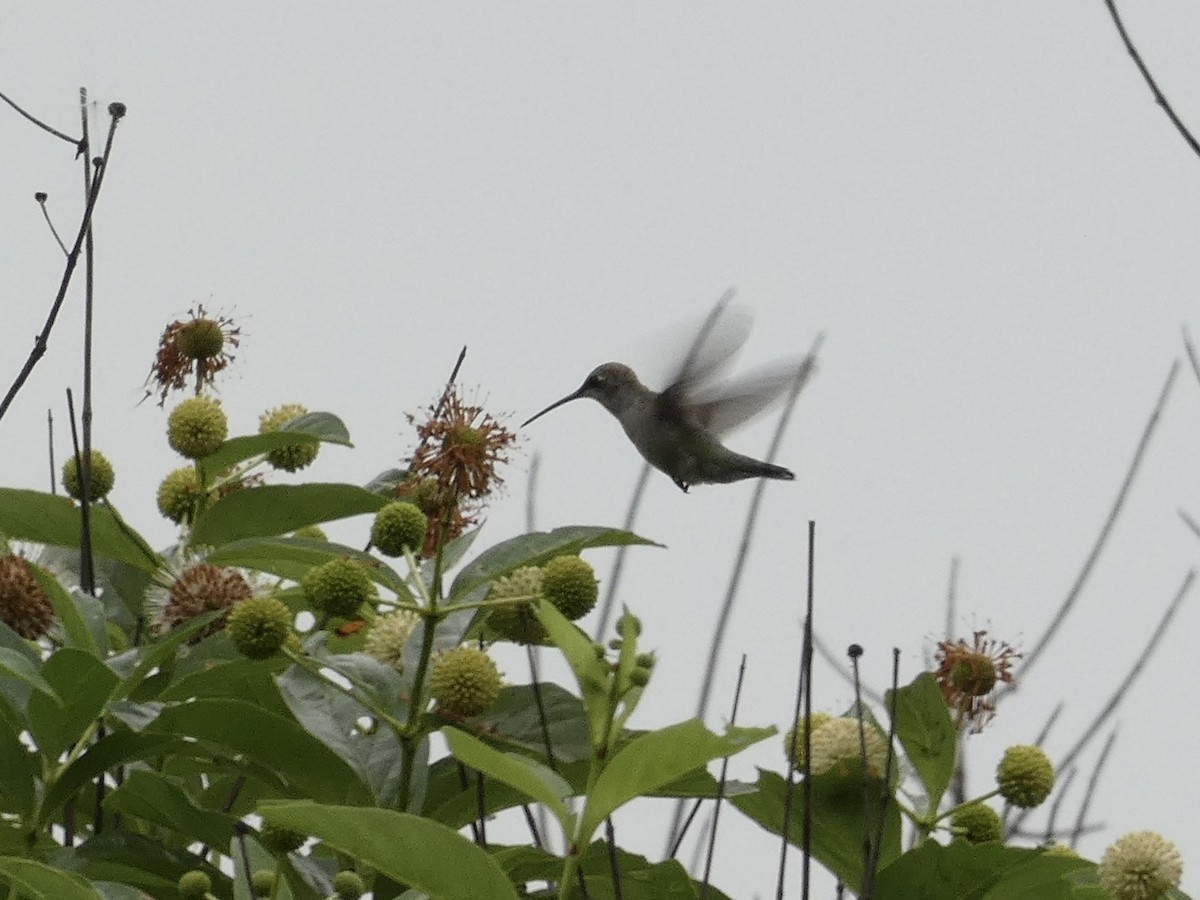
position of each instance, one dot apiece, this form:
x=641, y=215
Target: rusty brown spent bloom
x=461, y=446
x=24, y=605
x=174, y=365
x=968, y=674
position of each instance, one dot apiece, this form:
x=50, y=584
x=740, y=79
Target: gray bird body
x=676, y=431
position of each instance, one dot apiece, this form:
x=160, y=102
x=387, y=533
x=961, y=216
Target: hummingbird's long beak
x=555, y=405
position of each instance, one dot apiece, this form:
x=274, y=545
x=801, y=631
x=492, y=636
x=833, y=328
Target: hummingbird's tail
x=736, y=467
x=770, y=470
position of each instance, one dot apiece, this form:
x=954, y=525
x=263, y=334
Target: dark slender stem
x=614, y=577
x=712, y=832
x=534, y=831
x=1090, y=792
x=614, y=864
x=855, y=654
x=41, y=200
x=87, y=565
x=1190, y=523
x=464, y=782
x=1191, y=353
x=1102, y=539
x=42, y=125
x=877, y=846
x=481, y=808
x=1061, y=787
x=1158, y=95
x=687, y=823
x=40, y=343
x=540, y=702
x=951, y=600
x=834, y=661
x=1131, y=676
x=50, y=448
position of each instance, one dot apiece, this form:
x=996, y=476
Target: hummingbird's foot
x=683, y=485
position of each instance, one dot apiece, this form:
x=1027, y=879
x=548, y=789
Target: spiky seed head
x=569, y=582
x=259, y=627
x=338, y=587
x=1025, y=776
x=194, y=885
x=281, y=840
x=977, y=823
x=1142, y=865
x=197, y=427
x=348, y=885
x=201, y=338
x=837, y=746
x=516, y=622
x=24, y=605
x=399, y=525
x=291, y=457
x=465, y=681
x=203, y=588
x=102, y=477
x=180, y=494
x=974, y=674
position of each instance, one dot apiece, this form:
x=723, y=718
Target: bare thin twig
x=1191, y=353
x=40, y=343
x=1158, y=95
x=1110, y=706
x=712, y=832
x=1090, y=792
x=41, y=201
x=42, y=125
x=827, y=654
x=1122, y=494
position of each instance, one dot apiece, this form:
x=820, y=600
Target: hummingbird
x=678, y=430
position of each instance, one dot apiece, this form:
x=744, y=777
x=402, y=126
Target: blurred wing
x=722, y=407
x=709, y=349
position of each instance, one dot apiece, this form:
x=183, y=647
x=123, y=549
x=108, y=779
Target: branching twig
x=1093, y=780
x=1122, y=494
x=42, y=125
x=1158, y=95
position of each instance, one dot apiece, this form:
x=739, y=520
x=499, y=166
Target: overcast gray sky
x=979, y=204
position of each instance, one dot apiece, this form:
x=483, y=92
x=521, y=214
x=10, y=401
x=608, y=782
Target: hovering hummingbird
x=677, y=431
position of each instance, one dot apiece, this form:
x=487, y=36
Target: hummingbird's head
x=611, y=384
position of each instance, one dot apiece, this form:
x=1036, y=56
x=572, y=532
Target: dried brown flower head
x=202, y=588
x=200, y=346
x=968, y=675
x=24, y=605
x=454, y=466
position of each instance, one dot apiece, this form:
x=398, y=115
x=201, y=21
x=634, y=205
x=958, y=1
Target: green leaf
x=38, y=881
x=534, y=549
x=18, y=772
x=277, y=509
x=658, y=758
x=50, y=519
x=839, y=828
x=927, y=734
x=329, y=715
x=591, y=672
x=75, y=626
x=309, y=428
x=161, y=799
x=406, y=848
x=131, y=859
x=514, y=719
x=17, y=665
x=84, y=684
x=305, y=765
x=113, y=750
x=526, y=775
x=963, y=871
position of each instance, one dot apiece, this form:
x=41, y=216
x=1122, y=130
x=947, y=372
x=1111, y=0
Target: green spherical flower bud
x=1142, y=865
x=978, y=823
x=645, y=661
x=200, y=339
x=259, y=627
x=974, y=674
x=1025, y=776
x=387, y=637
x=197, y=427
x=180, y=494
x=281, y=840
x=102, y=477
x=464, y=681
x=310, y=532
x=338, y=587
x=570, y=584
x=194, y=885
x=262, y=882
x=639, y=677
x=517, y=622
x=793, y=740
x=290, y=457
x=348, y=885
x=399, y=525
